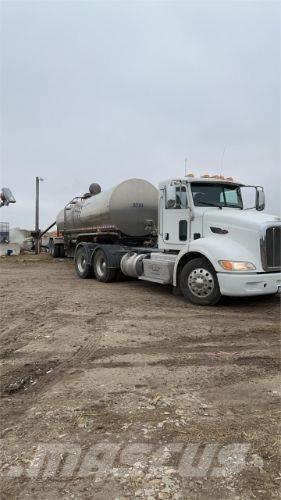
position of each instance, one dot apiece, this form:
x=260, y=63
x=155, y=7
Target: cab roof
x=205, y=179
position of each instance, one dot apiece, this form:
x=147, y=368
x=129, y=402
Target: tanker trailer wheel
x=54, y=249
x=102, y=271
x=62, y=252
x=199, y=283
x=83, y=269
x=51, y=247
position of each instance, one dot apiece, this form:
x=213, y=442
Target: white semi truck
x=202, y=235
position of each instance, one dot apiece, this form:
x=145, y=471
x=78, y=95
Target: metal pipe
x=46, y=230
x=37, y=230
x=37, y=216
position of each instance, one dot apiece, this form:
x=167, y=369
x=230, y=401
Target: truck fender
x=214, y=248
x=114, y=254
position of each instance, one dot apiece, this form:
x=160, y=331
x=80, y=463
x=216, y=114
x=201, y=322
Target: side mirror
x=171, y=199
x=260, y=199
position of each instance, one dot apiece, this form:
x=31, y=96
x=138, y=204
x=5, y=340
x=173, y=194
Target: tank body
x=124, y=208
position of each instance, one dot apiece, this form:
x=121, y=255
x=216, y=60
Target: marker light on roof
x=207, y=176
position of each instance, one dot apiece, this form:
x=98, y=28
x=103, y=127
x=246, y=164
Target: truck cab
x=214, y=240
x=184, y=203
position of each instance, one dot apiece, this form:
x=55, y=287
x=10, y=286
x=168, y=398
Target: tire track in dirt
x=76, y=360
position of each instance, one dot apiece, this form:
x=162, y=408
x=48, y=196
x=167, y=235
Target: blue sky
x=104, y=91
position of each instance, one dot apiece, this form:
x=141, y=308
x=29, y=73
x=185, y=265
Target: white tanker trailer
x=197, y=234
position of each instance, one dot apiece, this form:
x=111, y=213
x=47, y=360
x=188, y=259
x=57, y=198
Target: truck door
x=174, y=232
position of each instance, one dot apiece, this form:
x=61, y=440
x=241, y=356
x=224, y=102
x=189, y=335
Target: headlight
x=230, y=265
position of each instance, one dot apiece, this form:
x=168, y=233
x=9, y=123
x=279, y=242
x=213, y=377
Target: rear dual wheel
x=98, y=269
x=101, y=270
x=83, y=269
x=56, y=250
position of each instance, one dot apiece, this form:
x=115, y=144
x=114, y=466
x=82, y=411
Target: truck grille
x=272, y=249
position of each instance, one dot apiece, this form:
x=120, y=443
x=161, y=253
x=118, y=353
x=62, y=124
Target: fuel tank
x=125, y=208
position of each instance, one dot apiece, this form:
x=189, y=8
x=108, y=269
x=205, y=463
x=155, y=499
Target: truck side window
x=181, y=199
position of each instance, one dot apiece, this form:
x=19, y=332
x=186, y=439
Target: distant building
x=4, y=232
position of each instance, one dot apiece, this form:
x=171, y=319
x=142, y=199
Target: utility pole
x=37, y=230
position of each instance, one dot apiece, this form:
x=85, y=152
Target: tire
x=199, y=283
x=82, y=268
x=55, y=250
x=62, y=252
x=102, y=271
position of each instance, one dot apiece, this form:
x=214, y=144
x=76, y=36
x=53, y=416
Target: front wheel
x=199, y=283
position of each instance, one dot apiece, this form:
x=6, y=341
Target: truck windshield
x=216, y=194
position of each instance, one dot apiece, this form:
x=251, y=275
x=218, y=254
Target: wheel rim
x=81, y=263
x=100, y=266
x=201, y=282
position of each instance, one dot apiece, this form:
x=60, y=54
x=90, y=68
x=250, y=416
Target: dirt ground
x=122, y=390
